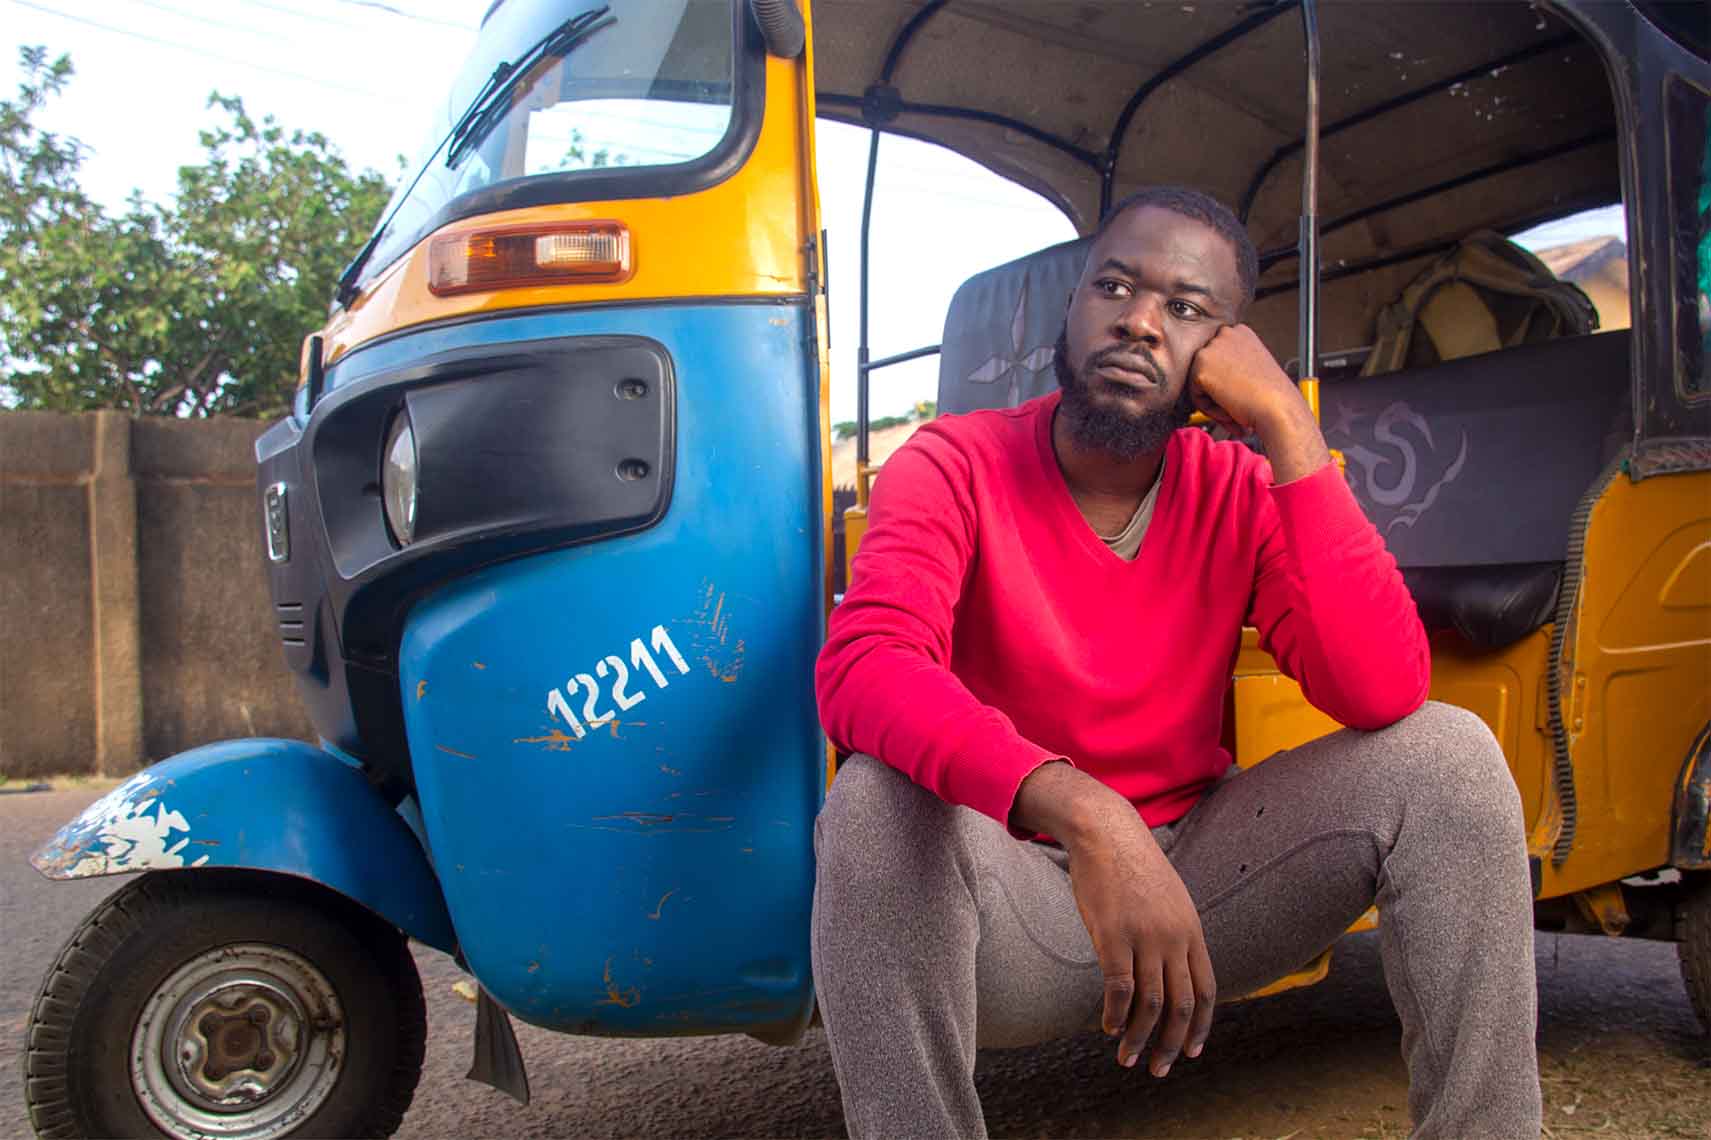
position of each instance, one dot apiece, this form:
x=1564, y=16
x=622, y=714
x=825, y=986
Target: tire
x=231, y=1004
x=1693, y=946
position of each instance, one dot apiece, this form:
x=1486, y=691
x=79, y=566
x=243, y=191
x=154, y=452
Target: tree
x=197, y=307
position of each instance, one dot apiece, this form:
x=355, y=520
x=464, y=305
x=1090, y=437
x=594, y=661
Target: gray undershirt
x=1126, y=543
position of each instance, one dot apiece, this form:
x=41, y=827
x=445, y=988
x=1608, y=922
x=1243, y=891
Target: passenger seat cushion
x=1490, y=606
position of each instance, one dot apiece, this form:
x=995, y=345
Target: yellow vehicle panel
x=1638, y=673
x=744, y=237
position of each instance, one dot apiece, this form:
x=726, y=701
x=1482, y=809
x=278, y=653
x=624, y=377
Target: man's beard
x=1111, y=429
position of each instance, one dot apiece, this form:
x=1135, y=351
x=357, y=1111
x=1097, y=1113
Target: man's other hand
x=1158, y=975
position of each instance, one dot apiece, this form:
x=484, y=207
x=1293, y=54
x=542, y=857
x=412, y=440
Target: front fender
x=1690, y=830
x=265, y=805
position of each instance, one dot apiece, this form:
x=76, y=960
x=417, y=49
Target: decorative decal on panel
x=1021, y=363
x=128, y=829
x=1397, y=475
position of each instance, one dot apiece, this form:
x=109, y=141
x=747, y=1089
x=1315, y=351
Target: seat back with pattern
x=1000, y=328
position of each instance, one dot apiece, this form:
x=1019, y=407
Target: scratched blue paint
x=269, y=805
x=654, y=876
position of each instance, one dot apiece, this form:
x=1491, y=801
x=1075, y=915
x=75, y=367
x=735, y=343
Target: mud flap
x=498, y=1062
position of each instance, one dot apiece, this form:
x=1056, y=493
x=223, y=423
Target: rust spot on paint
x=624, y=998
x=556, y=740
x=711, y=639
x=421, y=689
x=453, y=752
x=659, y=906
x=534, y=966
x=478, y=664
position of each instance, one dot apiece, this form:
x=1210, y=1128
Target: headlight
x=398, y=479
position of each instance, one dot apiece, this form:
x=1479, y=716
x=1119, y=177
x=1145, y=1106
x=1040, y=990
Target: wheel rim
x=240, y=1043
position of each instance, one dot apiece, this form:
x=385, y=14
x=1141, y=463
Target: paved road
x=1620, y=1052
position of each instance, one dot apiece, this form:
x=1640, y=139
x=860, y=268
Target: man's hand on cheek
x=1235, y=380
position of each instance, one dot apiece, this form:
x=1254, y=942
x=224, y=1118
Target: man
x=1037, y=642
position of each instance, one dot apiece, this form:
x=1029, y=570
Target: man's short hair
x=1204, y=209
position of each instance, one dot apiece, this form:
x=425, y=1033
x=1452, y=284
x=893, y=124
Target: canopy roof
x=1438, y=118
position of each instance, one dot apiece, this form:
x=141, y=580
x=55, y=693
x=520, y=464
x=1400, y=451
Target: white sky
x=367, y=77
x=367, y=72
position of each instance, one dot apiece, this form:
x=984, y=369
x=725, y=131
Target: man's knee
x=1448, y=759
x=878, y=827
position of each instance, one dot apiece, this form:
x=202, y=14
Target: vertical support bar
x=861, y=332
x=117, y=656
x=1308, y=266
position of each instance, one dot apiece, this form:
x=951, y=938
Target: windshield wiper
x=478, y=120
x=489, y=105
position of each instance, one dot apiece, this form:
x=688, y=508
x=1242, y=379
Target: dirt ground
x=1620, y=1052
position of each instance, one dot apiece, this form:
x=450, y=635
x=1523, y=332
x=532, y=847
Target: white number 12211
x=558, y=702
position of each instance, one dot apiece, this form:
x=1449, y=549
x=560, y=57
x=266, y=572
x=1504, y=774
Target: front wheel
x=241, y=1006
x=1693, y=945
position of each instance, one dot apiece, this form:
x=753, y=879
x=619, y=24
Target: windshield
x=654, y=87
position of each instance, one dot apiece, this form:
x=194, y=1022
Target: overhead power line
x=205, y=53
x=408, y=15
x=209, y=20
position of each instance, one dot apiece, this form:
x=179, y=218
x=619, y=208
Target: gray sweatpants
x=936, y=932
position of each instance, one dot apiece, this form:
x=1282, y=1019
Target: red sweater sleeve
x=1331, y=606
x=883, y=679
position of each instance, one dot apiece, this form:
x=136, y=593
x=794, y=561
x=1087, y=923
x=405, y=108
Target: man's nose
x=1141, y=319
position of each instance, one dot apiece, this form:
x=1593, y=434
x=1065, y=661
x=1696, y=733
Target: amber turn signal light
x=508, y=257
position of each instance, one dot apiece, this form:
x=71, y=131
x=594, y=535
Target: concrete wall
x=134, y=615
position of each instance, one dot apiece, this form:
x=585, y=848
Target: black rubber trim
x=614, y=184
x=1114, y=145
x=519, y=451
x=939, y=110
x=1568, y=596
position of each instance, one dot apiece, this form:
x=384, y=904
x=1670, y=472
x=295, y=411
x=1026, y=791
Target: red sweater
x=987, y=629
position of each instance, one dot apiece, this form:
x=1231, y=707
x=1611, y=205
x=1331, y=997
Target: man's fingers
x=1205, y=998
x=1178, y=1013
x=1149, y=1006
x=1216, y=414
x=1119, y=991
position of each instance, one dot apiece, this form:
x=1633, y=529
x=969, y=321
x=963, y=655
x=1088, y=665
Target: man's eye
x=1112, y=288
x=1185, y=310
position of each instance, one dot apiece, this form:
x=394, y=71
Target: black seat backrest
x=1000, y=328
x=1474, y=462
x=1480, y=461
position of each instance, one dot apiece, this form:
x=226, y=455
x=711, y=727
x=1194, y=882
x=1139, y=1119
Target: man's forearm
x=1293, y=442
x=1060, y=800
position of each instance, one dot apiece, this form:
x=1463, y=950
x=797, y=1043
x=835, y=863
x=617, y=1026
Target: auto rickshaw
x=547, y=530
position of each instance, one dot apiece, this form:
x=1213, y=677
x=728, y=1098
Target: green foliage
x=198, y=307
x=924, y=410
x=579, y=157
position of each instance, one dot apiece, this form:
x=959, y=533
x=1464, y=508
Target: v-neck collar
x=1068, y=516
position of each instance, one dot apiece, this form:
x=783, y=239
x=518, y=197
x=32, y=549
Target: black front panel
x=519, y=449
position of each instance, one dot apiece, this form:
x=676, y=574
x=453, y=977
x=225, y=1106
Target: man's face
x=1157, y=287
